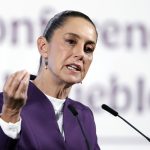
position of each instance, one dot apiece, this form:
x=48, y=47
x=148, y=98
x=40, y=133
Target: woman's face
x=70, y=51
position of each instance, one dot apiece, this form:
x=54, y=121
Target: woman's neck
x=51, y=87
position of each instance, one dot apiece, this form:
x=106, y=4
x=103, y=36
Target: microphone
x=75, y=113
x=115, y=113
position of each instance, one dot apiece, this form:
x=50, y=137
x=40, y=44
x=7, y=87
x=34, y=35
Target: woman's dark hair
x=59, y=19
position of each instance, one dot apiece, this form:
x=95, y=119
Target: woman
x=36, y=111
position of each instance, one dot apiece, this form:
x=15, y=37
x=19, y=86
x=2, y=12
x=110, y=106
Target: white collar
x=56, y=102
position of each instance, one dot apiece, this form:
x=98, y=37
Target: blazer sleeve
x=6, y=142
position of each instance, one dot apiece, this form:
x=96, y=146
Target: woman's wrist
x=9, y=115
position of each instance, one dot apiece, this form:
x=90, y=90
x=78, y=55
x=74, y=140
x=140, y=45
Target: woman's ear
x=42, y=45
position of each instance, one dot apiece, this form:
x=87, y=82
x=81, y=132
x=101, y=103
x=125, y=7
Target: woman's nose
x=79, y=51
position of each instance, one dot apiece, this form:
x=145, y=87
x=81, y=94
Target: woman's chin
x=74, y=81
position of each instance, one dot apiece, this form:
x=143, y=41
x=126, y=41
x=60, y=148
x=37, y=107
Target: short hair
x=59, y=19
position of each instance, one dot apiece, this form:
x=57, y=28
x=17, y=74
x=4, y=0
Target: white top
x=12, y=130
x=58, y=108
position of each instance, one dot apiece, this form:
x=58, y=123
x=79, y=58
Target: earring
x=46, y=63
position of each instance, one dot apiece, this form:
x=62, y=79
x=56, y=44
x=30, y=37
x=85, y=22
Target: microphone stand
x=134, y=128
x=75, y=113
x=115, y=113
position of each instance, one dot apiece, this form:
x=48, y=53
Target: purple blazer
x=40, y=131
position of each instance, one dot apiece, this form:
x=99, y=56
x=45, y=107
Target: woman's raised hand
x=14, y=95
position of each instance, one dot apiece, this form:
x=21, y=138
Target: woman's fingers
x=15, y=89
x=12, y=84
x=17, y=81
x=21, y=92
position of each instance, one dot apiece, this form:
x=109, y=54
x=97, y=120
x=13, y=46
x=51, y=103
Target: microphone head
x=110, y=110
x=73, y=110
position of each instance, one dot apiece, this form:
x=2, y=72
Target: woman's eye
x=89, y=50
x=71, y=41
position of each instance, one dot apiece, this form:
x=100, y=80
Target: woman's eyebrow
x=77, y=36
x=73, y=34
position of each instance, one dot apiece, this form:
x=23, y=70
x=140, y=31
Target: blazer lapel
x=39, y=114
x=73, y=136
